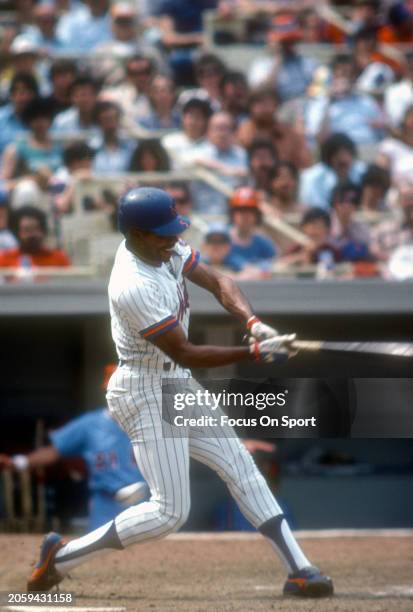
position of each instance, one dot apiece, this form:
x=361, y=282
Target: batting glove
x=273, y=350
x=259, y=330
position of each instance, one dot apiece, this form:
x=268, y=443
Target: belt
x=168, y=366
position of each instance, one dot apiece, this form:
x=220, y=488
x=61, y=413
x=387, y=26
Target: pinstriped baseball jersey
x=146, y=301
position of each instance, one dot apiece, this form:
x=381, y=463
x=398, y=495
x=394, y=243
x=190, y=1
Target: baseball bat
x=391, y=349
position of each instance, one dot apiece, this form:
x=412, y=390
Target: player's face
x=152, y=248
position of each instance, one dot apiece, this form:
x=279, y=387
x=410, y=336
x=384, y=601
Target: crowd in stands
x=92, y=89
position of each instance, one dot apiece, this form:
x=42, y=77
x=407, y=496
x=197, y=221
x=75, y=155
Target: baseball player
x=114, y=481
x=149, y=310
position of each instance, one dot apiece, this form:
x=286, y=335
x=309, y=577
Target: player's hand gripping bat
x=260, y=331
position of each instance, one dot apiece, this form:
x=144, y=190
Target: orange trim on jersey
x=160, y=327
x=191, y=262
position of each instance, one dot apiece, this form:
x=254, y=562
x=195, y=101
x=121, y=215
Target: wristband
x=20, y=462
x=251, y=321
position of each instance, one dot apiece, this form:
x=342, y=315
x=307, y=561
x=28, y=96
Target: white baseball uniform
x=146, y=301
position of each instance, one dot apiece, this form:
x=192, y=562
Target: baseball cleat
x=308, y=582
x=44, y=576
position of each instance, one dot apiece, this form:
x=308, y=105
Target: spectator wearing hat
x=287, y=72
x=29, y=226
x=248, y=243
x=80, y=117
x=25, y=55
x=7, y=239
x=338, y=163
x=182, y=146
x=43, y=33
x=162, y=97
x=217, y=249
x=23, y=89
x=24, y=58
x=113, y=150
x=127, y=39
x=85, y=27
x=124, y=30
x=352, y=237
x=264, y=123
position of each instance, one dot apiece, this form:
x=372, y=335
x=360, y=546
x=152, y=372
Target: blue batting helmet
x=152, y=210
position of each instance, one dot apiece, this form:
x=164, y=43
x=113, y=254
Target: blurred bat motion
x=392, y=349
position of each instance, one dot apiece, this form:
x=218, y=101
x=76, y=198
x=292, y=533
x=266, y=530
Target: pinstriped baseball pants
x=163, y=454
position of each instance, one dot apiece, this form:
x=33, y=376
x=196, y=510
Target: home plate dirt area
x=372, y=571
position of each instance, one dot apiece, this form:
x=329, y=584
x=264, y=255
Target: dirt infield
x=371, y=574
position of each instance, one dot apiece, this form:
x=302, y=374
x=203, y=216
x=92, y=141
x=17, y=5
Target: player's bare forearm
x=208, y=356
x=224, y=289
x=44, y=456
x=41, y=457
x=175, y=344
x=232, y=299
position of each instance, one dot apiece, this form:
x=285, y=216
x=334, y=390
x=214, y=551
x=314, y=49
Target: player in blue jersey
x=114, y=481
